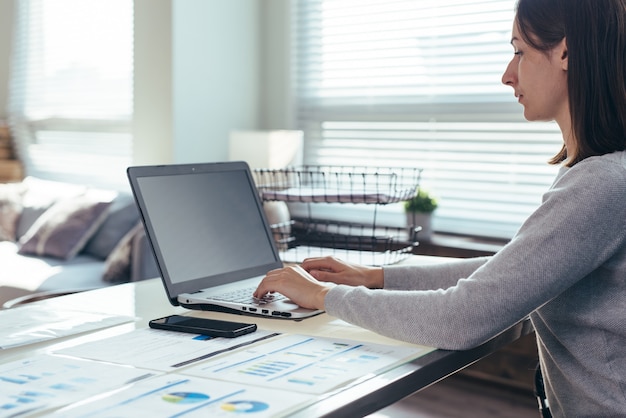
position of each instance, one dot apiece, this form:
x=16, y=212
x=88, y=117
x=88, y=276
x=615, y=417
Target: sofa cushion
x=83, y=272
x=118, y=264
x=10, y=210
x=35, y=273
x=123, y=215
x=38, y=196
x=63, y=229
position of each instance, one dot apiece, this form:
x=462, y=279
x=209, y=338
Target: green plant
x=422, y=202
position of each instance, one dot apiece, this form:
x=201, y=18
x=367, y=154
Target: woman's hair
x=595, y=34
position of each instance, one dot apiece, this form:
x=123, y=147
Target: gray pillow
x=119, y=263
x=123, y=215
x=63, y=230
x=38, y=196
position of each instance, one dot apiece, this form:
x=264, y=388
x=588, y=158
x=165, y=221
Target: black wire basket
x=363, y=242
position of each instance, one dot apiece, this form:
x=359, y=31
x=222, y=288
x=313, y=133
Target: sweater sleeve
x=430, y=276
x=576, y=229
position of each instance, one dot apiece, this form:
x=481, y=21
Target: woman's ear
x=562, y=49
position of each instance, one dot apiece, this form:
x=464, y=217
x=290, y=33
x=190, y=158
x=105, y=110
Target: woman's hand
x=303, y=284
x=331, y=269
x=296, y=284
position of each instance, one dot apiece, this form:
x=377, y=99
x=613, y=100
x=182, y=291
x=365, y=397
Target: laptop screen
x=205, y=223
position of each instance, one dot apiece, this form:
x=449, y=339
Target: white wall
x=216, y=75
x=277, y=110
x=6, y=28
x=210, y=68
x=153, y=117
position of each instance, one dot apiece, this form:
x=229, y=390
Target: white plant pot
x=278, y=216
x=424, y=220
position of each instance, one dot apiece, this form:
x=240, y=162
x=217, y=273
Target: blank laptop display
x=210, y=237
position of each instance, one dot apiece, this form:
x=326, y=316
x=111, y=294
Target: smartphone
x=203, y=326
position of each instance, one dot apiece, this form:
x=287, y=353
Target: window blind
x=417, y=83
x=71, y=98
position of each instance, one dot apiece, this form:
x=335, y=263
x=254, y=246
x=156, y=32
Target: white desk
x=147, y=300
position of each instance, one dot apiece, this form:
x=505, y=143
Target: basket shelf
x=330, y=184
x=366, y=243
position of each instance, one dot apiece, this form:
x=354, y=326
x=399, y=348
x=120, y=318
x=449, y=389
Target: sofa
x=58, y=238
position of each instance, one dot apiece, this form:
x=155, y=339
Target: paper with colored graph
x=44, y=382
x=303, y=363
x=174, y=395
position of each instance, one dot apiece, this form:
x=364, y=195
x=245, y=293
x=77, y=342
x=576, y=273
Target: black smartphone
x=203, y=326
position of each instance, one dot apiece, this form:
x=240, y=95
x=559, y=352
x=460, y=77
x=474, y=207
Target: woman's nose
x=508, y=77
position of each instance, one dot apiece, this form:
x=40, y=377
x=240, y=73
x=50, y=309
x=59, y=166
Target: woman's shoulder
x=603, y=174
x=600, y=167
x=614, y=161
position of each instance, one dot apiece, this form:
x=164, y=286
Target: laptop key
x=244, y=296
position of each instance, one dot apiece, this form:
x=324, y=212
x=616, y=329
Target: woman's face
x=539, y=80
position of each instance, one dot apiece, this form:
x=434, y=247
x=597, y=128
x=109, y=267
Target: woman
x=566, y=266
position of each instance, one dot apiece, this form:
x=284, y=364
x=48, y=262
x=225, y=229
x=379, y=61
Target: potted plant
x=419, y=210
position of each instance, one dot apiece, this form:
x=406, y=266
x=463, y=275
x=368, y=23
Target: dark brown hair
x=595, y=34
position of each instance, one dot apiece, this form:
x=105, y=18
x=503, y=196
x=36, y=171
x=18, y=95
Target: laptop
x=210, y=237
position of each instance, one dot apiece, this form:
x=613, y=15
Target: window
x=71, y=98
x=417, y=83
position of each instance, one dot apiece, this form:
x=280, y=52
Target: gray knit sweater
x=566, y=268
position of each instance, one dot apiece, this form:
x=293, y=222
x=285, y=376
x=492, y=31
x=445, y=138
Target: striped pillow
x=63, y=229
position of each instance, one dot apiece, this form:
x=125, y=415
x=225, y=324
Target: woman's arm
x=577, y=228
x=440, y=275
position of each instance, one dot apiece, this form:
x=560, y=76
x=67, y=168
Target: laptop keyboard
x=244, y=296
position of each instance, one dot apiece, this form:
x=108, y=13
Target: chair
x=540, y=392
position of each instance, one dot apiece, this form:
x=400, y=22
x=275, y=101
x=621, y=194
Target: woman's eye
x=517, y=53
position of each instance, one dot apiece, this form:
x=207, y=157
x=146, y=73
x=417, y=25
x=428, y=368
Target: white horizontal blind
x=71, y=93
x=417, y=83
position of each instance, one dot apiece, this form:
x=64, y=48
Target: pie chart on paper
x=185, y=397
x=244, y=407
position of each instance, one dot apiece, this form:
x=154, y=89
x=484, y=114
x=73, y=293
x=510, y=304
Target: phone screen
x=204, y=326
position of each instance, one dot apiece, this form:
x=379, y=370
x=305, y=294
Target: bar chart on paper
x=303, y=364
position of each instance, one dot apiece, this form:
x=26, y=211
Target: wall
x=204, y=68
x=153, y=119
x=216, y=66
x=277, y=106
x=6, y=28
